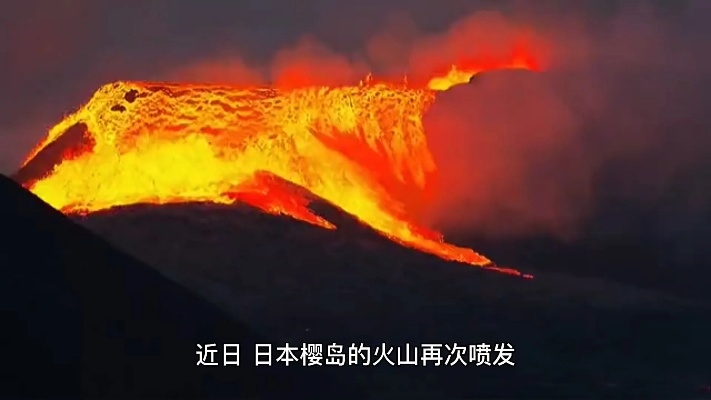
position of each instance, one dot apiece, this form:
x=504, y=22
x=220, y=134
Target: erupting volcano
x=362, y=148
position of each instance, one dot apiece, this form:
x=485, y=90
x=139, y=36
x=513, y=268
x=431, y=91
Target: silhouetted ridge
x=82, y=319
x=574, y=337
x=70, y=144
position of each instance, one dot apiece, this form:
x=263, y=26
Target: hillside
x=82, y=319
x=574, y=337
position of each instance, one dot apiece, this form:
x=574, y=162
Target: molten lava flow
x=464, y=70
x=165, y=143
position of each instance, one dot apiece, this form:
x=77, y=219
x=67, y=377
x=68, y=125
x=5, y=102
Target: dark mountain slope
x=574, y=337
x=81, y=319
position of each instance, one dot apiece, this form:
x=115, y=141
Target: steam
x=618, y=118
x=614, y=121
x=615, y=126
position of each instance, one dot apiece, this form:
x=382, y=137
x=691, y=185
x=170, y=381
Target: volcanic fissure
x=362, y=147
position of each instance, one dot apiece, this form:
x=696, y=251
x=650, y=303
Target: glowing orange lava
x=166, y=143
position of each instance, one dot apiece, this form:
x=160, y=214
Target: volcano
x=296, y=210
x=362, y=148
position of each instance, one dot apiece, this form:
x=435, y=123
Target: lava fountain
x=361, y=147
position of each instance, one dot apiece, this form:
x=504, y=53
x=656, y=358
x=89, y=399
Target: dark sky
x=54, y=53
x=625, y=98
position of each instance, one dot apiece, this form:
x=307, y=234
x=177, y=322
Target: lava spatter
x=354, y=146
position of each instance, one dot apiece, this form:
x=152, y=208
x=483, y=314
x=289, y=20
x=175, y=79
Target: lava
x=359, y=147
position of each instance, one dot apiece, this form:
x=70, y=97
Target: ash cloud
x=614, y=129
x=613, y=137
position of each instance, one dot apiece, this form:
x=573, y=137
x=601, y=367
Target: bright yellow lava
x=353, y=146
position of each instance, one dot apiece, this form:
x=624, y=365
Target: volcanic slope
x=81, y=319
x=572, y=337
x=362, y=147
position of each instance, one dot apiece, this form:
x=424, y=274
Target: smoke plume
x=614, y=128
x=615, y=121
